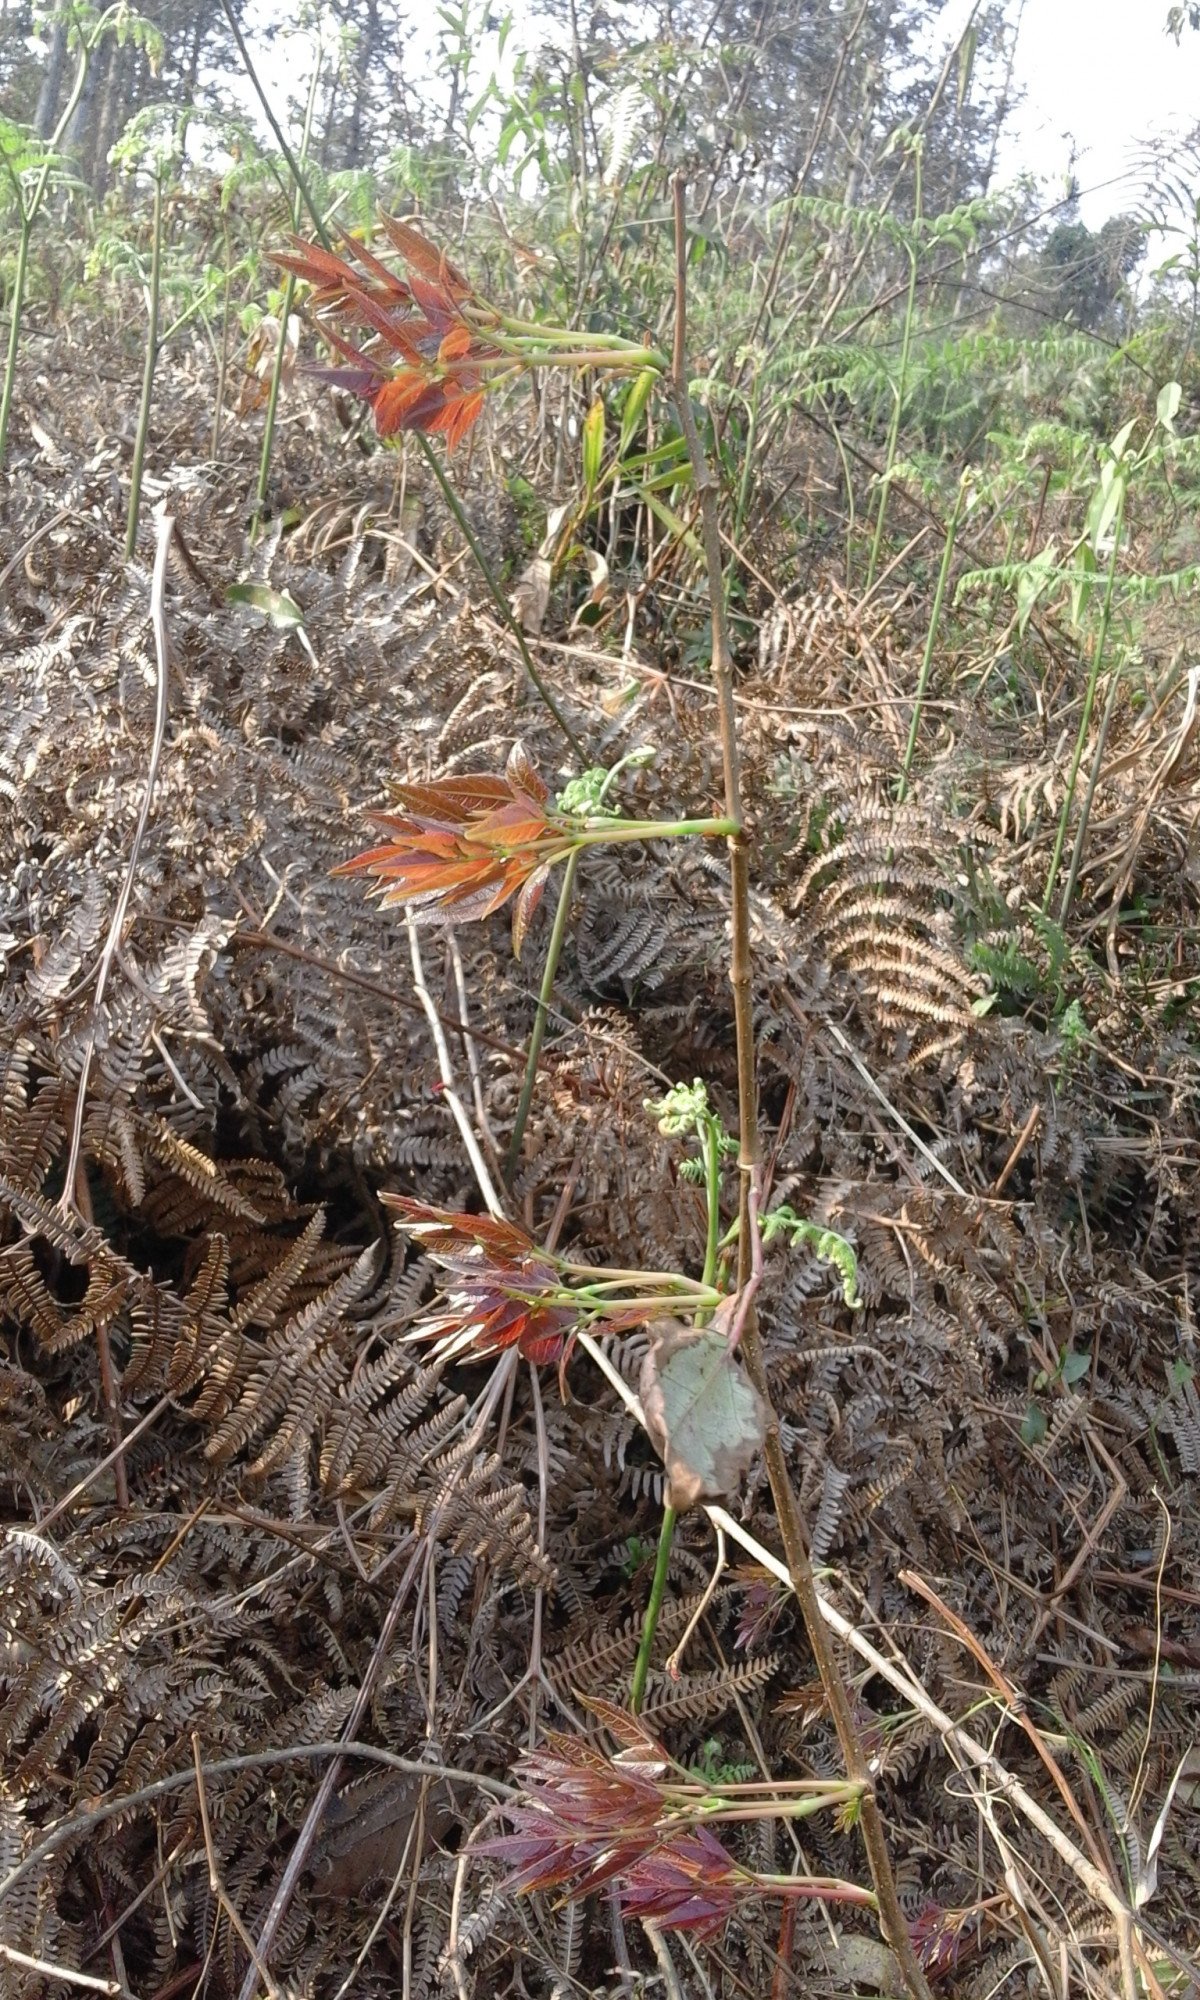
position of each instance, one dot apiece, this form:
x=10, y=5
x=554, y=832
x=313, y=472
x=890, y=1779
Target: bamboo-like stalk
x=15, y=310
x=803, y=1582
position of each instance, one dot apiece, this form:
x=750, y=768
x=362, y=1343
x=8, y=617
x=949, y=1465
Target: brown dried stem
x=791, y=1526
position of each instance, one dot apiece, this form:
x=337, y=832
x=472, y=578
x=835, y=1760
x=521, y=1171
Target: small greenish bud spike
x=583, y=797
x=682, y=1109
x=587, y=797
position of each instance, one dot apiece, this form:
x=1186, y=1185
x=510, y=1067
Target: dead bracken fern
x=1011, y=1413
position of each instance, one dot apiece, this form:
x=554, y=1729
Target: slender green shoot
x=1089, y=701
x=15, y=310
x=497, y=595
x=662, y=1565
x=538, y=1034
x=294, y=167
x=29, y=207
x=285, y=314
x=910, y=315
x=930, y=641
x=684, y=1109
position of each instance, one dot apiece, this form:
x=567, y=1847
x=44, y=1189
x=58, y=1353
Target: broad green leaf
x=1122, y=439
x=283, y=611
x=1033, y=580
x=670, y=520
x=1034, y=1425
x=966, y=62
x=1105, y=504
x=1081, y=589
x=703, y=1414
x=593, y=447
x=1169, y=398
x=641, y=390
x=663, y=482
x=1075, y=1367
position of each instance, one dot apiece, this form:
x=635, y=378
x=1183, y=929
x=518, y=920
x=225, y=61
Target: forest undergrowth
x=256, y=1535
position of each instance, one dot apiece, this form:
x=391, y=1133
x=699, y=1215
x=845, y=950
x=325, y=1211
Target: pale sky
x=1101, y=73
x=1104, y=73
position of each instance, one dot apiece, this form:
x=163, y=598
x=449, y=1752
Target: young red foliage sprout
x=434, y=347
x=505, y=1291
x=460, y=847
x=582, y=1819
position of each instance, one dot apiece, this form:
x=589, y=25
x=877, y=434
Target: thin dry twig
x=907, y=1684
x=223, y=1767
x=446, y=1073
x=215, y=1883
x=302, y=1846
x=164, y=528
x=65, y=1973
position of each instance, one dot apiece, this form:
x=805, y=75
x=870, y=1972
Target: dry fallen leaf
x=530, y=600
x=703, y=1414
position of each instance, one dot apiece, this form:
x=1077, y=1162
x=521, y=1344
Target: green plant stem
x=609, y=1276
x=264, y=460
x=711, y=1151
x=285, y=314
x=553, y=349
x=498, y=598
x=294, y=167
x=605, y=833
x=791, y=1526
x=538, y=1033
x=1089, y=701
x=1085, y=810
x=16, y=307
x=150, y=364
x=29, y=211
x=893, y=439
x=653, y=1305
x=566, y=336
x=662, y=1564
x=930, y=641
x=666, y=1534
x=830, y=1890
x=712, y=1185
x=223, y=363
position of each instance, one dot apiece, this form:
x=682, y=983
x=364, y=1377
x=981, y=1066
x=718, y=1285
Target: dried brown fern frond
x=882, y=910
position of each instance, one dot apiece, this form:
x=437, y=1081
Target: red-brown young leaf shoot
x=423, y=365
x=581, y=1820
x=504, y=1291
x=460, y=847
